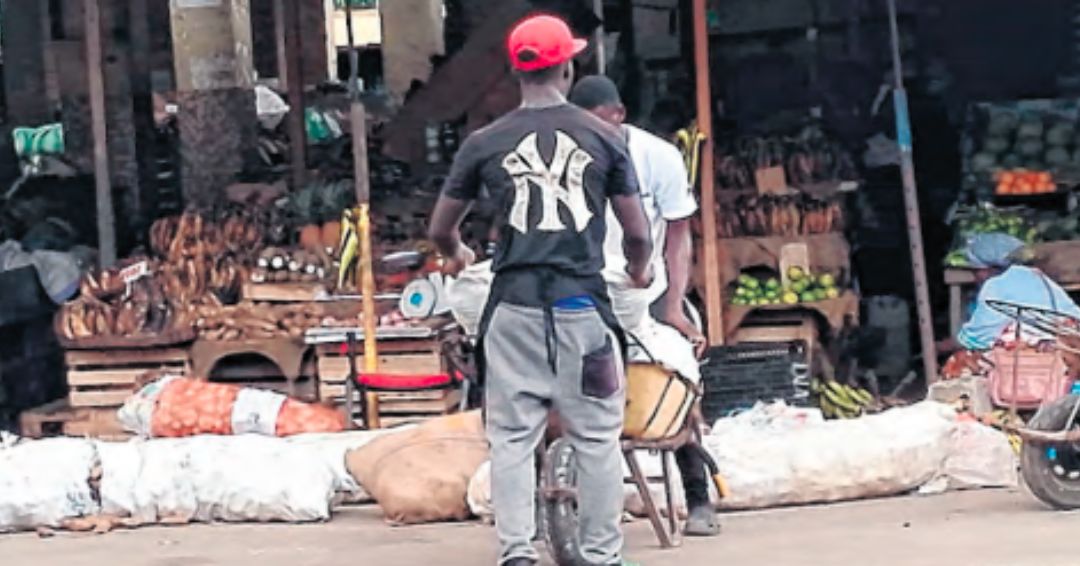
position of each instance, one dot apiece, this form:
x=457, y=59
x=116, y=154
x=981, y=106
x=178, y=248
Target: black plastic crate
x=735, y=377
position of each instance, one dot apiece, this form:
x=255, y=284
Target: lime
x=752, y=283
x=772, y=283
x=807, y=297
x=819, y=294
x=827, y=280
x=832, y=293
x=790, y=298
x=795, y=273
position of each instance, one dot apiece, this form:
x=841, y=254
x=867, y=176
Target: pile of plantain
x=200, y=258
x=107, y=306
x=842, y=401
x=807, y=157
x=780, y=215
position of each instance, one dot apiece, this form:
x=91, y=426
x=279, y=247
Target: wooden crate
x=60, y=419
x=396, y=357
x=106, y=378
x=249, y=370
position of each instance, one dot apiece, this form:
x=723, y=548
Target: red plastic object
x=385, y=382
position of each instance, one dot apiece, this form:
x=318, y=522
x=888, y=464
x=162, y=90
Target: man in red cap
x=549, y=339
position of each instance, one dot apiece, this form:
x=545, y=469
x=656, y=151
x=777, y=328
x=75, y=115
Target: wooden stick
x=103, y=187
x=709, y=254
x=361, y=178
x=295, y=87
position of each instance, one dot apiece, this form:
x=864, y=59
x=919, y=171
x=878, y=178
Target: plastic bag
x=886, y=454
x=216, y=478
x=980, y=456
x=46, y=481
x=269, y=107
x=467, y=295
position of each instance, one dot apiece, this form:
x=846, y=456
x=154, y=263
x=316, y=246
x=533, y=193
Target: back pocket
x=600, y=377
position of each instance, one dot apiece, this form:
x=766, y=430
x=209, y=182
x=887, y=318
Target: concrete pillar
x=412, y=33
x=214, y=69
x=24, y=39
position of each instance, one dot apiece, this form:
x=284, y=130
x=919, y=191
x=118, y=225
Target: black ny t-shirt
x=550, y=172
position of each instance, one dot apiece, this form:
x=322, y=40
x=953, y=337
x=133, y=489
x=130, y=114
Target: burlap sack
x=422, y=475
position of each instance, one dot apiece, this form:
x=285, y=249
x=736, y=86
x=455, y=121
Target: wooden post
x=280, y=24
x=295, y=80
x=709, y=253
x=362, y=186
x=106, y=224
x=911, y=207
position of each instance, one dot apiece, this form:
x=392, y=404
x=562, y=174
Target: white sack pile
x=55, y=482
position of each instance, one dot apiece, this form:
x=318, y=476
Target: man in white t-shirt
x=669, y=204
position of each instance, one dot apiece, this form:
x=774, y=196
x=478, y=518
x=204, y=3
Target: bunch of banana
x=689, y=141
x=840, y=401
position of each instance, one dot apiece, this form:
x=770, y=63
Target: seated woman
x=995, y=259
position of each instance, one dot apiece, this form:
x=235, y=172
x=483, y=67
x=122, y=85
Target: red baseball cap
x=539, y=42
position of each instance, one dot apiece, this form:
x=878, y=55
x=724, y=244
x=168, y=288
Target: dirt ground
x=986, y=528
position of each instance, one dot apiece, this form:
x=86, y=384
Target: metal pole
x=911, y=206
x=710, y=250
x=106, y=223
x=361, y=180
x=601, y=52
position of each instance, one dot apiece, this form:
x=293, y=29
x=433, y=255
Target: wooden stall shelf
x=59, y=418
x=106, y=378
x=396, y=357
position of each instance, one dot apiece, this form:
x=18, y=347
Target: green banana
x=861, y=396
x=838, y=395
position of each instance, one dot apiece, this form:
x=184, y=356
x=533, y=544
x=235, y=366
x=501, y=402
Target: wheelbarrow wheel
x=561, y=522
x=1052, y=470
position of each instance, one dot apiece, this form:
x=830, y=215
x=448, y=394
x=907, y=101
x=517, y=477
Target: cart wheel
x=561, y=511
x=1052, y=471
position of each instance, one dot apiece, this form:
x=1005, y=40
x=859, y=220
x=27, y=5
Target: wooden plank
x=284, y=292
x=127, y=377
x=710, y=250
x=335, y=370
x=107, y=398
x=113, y=358
x=106, y=224
x=335, y=391
x=387, y=346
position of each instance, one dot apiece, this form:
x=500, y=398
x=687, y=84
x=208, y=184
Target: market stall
x=1021, y=166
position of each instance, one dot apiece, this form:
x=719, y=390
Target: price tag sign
x=134, y=272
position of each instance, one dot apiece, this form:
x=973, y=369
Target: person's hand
x=462, y=258
x=678, y=320
x=640, y=278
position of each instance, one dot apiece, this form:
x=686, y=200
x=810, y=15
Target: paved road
x=987, y=528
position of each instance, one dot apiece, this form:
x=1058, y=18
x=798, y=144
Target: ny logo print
x=561, y=181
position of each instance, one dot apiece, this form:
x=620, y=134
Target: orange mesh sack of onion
x=173, y=406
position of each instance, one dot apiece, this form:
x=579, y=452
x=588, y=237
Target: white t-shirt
x=666, y=195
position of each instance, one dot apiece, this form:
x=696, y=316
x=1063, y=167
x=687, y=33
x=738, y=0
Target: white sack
x=44, y=482
x=216, y=478
x=891, y=453
x=980, y=456
x=331, y=448
x=478, y=494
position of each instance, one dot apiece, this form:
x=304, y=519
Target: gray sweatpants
x=587, y=391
